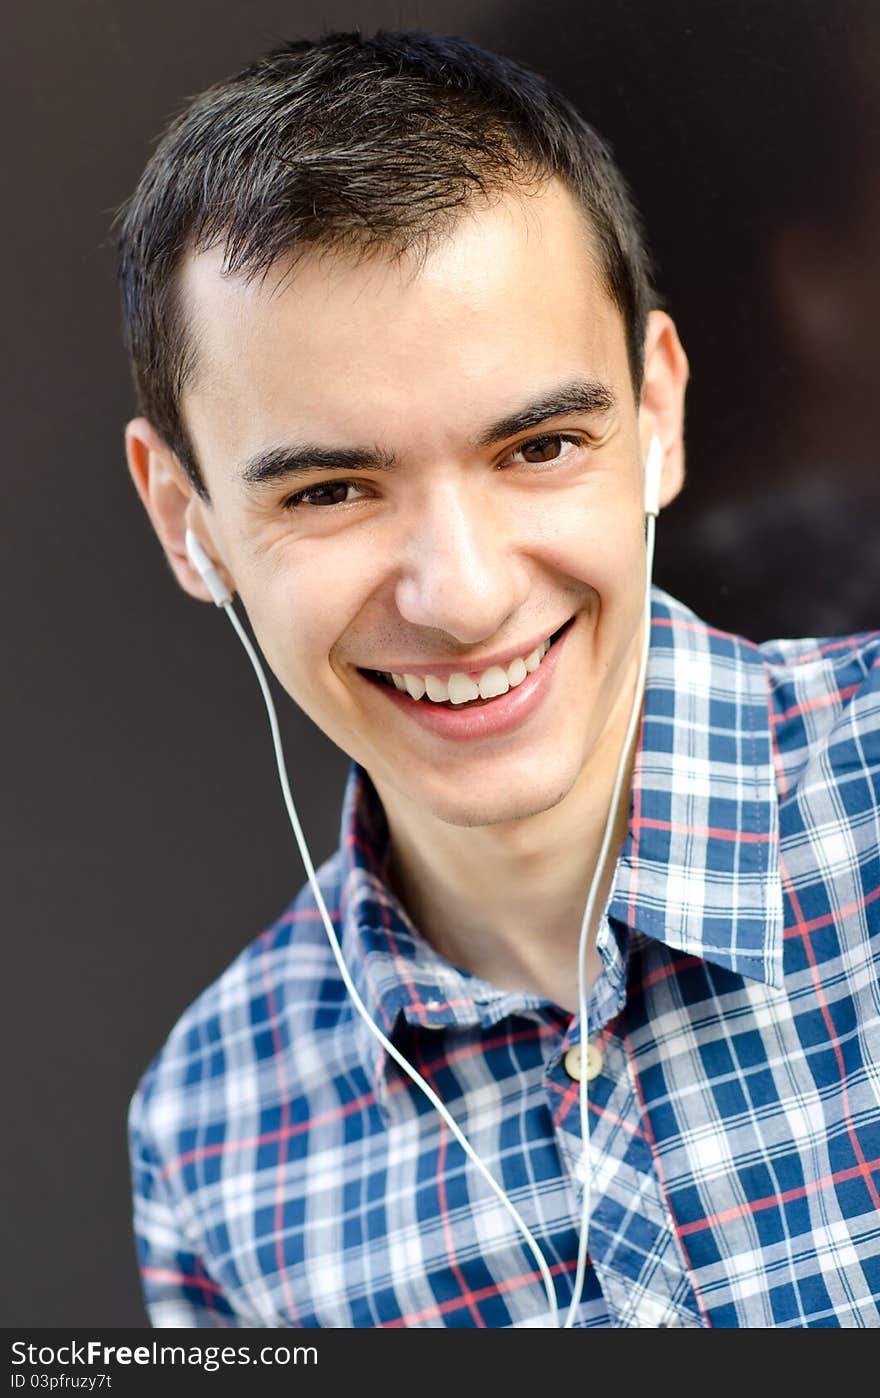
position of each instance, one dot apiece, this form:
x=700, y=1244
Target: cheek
x=294, y=620
x=604, y=548
x=299, y=611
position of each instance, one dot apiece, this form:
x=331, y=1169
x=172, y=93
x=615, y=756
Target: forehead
x=508, y=296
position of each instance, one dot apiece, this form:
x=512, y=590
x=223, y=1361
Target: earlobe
x=167, y=495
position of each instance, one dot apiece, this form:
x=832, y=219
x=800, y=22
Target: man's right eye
x=327, y=493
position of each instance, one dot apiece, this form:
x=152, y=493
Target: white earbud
x=206, y=571
x=653, y=473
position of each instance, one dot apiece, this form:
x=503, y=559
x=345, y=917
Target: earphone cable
x=583, y=1097
x=223, y=598
x=361, y=1008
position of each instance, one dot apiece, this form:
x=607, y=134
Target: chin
x=499, y=806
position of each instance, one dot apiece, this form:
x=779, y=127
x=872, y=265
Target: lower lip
x=471, y=723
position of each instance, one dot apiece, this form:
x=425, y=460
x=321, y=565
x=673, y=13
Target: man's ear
x=170, y=499
x=661, y=406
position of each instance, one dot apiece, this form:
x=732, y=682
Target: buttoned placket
x=630, y=1221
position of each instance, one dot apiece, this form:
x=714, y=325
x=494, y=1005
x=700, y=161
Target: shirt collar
x=699, y=870
x=397, y=974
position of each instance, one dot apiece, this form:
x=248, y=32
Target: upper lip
x=466, y=665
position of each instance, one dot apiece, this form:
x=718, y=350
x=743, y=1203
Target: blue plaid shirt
x=287, y=1173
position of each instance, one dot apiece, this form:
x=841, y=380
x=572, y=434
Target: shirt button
x=573, y=1062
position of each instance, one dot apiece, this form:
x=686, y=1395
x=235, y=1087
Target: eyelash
x=298, y=499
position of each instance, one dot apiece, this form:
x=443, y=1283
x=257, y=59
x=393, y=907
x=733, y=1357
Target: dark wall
x=146, y=842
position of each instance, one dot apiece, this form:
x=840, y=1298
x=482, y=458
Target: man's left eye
x=327, y=493
x=548, y=448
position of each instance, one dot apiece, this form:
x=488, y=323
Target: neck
x=505, y=902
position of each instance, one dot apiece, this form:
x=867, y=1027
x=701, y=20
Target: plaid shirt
x=286, y=1172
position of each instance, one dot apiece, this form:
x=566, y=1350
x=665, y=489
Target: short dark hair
x=351, y=142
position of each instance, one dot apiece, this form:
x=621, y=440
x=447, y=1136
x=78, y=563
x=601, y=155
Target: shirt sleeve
x=178, y=1289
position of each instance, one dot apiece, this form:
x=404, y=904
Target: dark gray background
x=145, y=839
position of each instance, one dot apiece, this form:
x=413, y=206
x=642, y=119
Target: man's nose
x=463, y=572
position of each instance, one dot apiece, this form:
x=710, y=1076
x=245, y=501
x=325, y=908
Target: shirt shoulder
x=281, y=986
x=824, y=698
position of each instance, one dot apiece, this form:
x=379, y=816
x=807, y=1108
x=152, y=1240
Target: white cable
x=587, y=923
x=356, y=999
x=223, y=599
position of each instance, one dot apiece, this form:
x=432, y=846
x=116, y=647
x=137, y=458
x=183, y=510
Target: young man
x=392, y=329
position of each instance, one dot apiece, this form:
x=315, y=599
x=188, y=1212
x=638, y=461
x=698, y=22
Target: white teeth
x=462, y=688
x=493, y=682
x=516, y=672
x=438, y=690
x=533, y=659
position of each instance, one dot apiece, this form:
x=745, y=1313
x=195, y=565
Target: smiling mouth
x=497, y=680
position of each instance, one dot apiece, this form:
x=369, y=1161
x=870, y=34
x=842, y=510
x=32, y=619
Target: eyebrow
x=280, y=463
x=298, y=459
x=576, y=396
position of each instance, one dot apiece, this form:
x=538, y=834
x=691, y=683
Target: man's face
x=468, y=484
